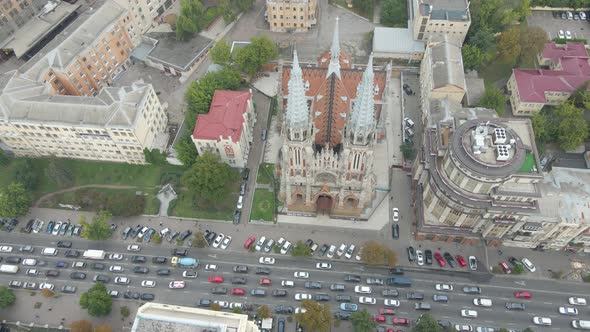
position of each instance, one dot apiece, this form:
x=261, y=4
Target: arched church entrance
x=324, y=204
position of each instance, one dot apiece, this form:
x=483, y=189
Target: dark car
x=49, y=228
x=321, y=297
x=411, y=254
x=281, y=324
x=52, y=273
x=179, y=252
x=415, y=296
x=159, y=260
x=147, y=297
x=126, y=233
x=204, y=303
x=245, y=173
x=449, y=258
x=342, y=315
x=352, y=278
x=238, y=281
x=136, y=230
x=262, y=270
x=515, y=306
x=324, y=249
x=148, y=235
x=163, y=272
x=69, y=289
x=428, y=257
x=98, y=266
x=101, y=278
x=237, y=216
x=131, y=295
x=72, y=253
x=185, y=235
x=444, y=323
x=64, y=244
x=313, y=285
x=390, y=293
x=396, y=270
x=338, y=287
x=219, y=290
x=258, y=292
x=138, y=259
x=283, y=309
x=141, y=269
x=209, y=237
x=240, y=269
x=395, y=231
x=78, y=275
x=343, y=298
x=279, y=293
x=13, y=260
x=62, y=265
x=471, y=290
x=513, y=261
x=29, y=226
x=62, y=232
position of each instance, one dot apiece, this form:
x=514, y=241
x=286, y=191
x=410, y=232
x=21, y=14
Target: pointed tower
x=334, y=66
x=362, y=118
x=297, y=115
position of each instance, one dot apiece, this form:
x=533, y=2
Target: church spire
x=362, y=119
x=297, y=116
x=334, y=66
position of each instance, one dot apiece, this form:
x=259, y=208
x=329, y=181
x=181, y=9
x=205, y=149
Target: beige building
x=226, y=131
x=87, y=55
x=158, y=317
x=144, y=15
x=116, y=125
x=291, y=15
x=16, y=13
x=432, y=17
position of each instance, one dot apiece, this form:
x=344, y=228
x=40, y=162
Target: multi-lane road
x=547, y=295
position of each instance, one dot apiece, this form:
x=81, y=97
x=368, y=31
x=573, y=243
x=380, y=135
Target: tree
x=300, y=249
x=366, y=6
x=508, y=45
x=263, y=311
x=4, y=160
x=408, y=150
x=260, y=50
x=226, y=8
x=427, y=323
x=581, y=96
x=188, y=21
x=573, y=128
x=184, y=28
x=394, y=13
x=503, y=330
x=60, y=173
x=96, y=300
x=532, y=42
x=186, y=151
x=24, y=173
x=473, y=57
x=199, y=241
x=221, y=52
x=540, y=126
x=493, y=98
x=7, y=297
x=518, y=269
x=244, y=5
x=97, y=229
x=375, y=253
x=237, y=310
x=528, y=329
x=483, y=38
x=362, y=321
x=157, y=238
x=46, y=292
x=125, y=311
x=317, y=317
x=15, y=201
x=209, y=178
x=81, y=326
x=103, y=328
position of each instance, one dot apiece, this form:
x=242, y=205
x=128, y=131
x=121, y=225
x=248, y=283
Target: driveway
x=552, y=25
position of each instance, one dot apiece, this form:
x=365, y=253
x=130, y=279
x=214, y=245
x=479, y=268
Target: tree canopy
x=394, y=13
x=508, y=45
x=96, y=300
x=473, y=57
x=221, y=52
x=186, y=151
x=187, y=22
x=97, y=229
x=408, y=150
x=59, y=172
x=493, y=98
x=209, y=178
x=251, y=57
x=375, y=253
x=564, y=124
x=300, y=249
x=427, y=323
x=532, y=42
x=362, y=321
x=7, y=297
x=317, y=317
x=24, y=173
x=263, y=311
x=81, y=326
x=15, y=200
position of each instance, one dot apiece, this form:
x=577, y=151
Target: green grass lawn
x=263, y=177
x=263, y=205
x=343, y=4
x=189, y=206
x=528, y=163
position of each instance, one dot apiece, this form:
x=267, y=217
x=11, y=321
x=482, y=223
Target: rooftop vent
x=499, y=136
x=479, y=136
x=503, y=152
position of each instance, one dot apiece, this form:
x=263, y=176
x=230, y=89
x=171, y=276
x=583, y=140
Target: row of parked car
x=8, y=225
x=576, y=16
x=146, y=233
x=427, y=256
x=329, y=250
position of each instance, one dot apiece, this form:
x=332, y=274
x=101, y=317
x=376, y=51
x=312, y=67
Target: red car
x=461, y=260
x=379, y=318
x=249, y=242
x=400, y=321
x=504, y=266
x=384, y=311
x=215, y=279
x=439, y=259
x=237, y=291
x=264, y=282
x=522, y=295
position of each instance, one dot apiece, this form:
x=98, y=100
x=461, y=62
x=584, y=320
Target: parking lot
x=552, y=22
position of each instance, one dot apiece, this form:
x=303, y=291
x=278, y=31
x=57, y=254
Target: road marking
x=520, y=283
x=547, y=303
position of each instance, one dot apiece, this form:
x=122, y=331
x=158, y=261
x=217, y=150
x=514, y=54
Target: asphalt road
x=547, y=295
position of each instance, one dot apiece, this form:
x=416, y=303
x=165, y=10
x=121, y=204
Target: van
x=409, y=122
x=5, y=268
x=581, y=324
x=409, y=132
x=422, y=306
x=49, y=252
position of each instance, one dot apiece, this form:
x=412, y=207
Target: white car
x=116, y=257
x=331, y=251
x=341, y=250
x=302, y=296
x=443, y=287
x=266, y=260
x=395, y=214
x=222, y=304
x=301, y=275
x=32, y=272
x=358, y=256
x=29, y=262
x=122, y=281
x=133, y=247
x=287, y=283
x=482, y=302
x=463, y=328
x=561, y=34
x=568, y=34
x=226, y=242
x=419, y=257
x=391, y=303
x=286, y=247
x=349, y=251
x=211, y=267
x=528, y=264
x=116, y=268
x=362, y=289
x=468, y=313
x=582, y=15
x=281, y=241
x=323, y=266
x=577, y=301
x=189, y=274
x=148, y=283
x=568, y=311
x=142, y=232
x=367, y=300
x=545, y=321
x=46, y=286
x=260, y=243
x=218, y=240
x=236, y=305
x=6, y=249
x=300, y=310
x=178, y=284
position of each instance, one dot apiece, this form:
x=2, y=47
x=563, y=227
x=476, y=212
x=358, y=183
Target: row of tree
x=249, y=58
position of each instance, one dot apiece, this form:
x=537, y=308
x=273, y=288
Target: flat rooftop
x=178, y=54
x=566, y=194
x=404, y=41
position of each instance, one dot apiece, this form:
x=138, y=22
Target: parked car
x=411, y=254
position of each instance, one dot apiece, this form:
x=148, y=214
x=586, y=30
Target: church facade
x=332, y=110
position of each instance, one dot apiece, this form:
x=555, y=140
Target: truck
x=184, y=262
x=399, y=281
x=6, y=268
x=94, y=254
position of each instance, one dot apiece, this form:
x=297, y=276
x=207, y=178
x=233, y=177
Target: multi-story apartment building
x=87, y=55
x=144, y=15
x=226, y=131
x=291, y=15
x=531, y=89
x=16, y=13
x=431, y=17
x=116, y=125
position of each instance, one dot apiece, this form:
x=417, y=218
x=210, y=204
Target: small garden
x=263, y=206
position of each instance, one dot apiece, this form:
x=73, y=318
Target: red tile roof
x=225, y=116
x=532, y=84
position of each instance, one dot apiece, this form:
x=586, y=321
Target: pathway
x=65, y=190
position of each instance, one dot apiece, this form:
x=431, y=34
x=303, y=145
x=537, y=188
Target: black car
x=513, y=261
x=279, y=293
x=159, y=260
x=396, y=270
x=309, y=242
x=72, y=253
x=101, y=278
x=515, y=306
x=13, y=260
x=313, y=285
x=29, y=227
x=471, y=290
x=262, y=270
x=450, y=260
x=390, y=293
x=324, y=249
x=321, y=297
x=204, y=303
x=179, y=252
x=411, y=254
x=141, y=269
x=428, y=257
x=98, y=266
x=64, y=244
x=342, y=315
x=78, y=275
x=237, y=216
x=131, y=295
x=352, y=278
x=343, y=298
x=136, y=230
x=184, y=235
x=163, y=272
x=258, y=292
x=52, y=273
x=138, y=259
x=219, y=290
x=283, y=309
x=209, y=237
x=238, y=281
x=240, y=269
x=415, y=296
x=395, y=231
x=147, y=297
x=245, y=173
x=444, y=323
x=69, y=289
